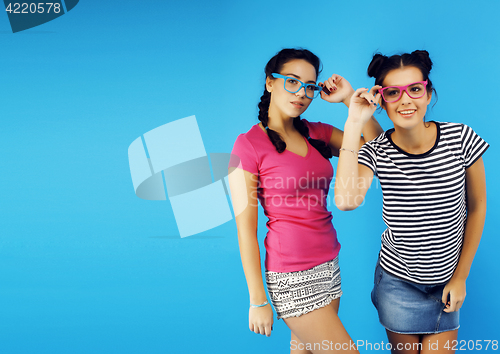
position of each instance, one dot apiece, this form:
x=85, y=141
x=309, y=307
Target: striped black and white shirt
x=424, y=201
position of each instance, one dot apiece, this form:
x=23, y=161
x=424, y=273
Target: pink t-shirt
x=293, y=192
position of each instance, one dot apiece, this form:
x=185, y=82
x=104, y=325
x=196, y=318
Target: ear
x=269, y=84
x=429, y=97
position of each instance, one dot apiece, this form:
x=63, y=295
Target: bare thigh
x=296, y=341
x=422, y=344
x=435, y=343
x=321, y=331
x=404, y=343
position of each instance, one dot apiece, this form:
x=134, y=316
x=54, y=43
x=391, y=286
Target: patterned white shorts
x=297, y=293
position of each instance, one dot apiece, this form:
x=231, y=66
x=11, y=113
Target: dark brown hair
x=275, y=65
x=381, y=65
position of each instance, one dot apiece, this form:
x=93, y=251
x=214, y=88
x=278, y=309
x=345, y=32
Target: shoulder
x=383, y=137
x=251, y=137
x=370, y=152
x=460, y=131
x=317, y=125
x=381, y=140
x=248, y=143
x=375, y=144
x=449, y=128
x=245, y=151
x=319, y=130
x=464, y=141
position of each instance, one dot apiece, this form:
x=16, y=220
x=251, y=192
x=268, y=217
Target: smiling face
x=284, y=103
x=407, y=112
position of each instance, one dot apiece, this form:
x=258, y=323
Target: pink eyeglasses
x=393, y=93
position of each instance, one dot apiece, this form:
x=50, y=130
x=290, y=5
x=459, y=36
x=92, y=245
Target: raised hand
x=363, y=104
x=340, y=90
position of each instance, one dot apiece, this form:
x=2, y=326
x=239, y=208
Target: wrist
x=354, y=152
x=258, y=299
x=265, y=303
x=347, y=100
x=461, y=276
x=352, y=123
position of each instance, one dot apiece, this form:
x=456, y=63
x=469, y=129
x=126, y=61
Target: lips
x=297, y=104
x=407, y=112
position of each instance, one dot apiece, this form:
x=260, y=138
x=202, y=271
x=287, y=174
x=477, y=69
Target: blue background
x=86, y=266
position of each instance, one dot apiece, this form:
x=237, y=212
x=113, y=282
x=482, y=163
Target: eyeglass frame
x=403, y=89
x=317, y=87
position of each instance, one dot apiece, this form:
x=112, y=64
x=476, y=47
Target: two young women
x=284, y=162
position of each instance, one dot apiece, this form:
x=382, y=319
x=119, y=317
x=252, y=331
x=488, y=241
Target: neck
x=279, y=122
x=416, y=140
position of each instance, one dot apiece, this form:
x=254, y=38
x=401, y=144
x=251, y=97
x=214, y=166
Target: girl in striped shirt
x=433, y=183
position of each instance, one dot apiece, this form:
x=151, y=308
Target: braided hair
x=275, y=65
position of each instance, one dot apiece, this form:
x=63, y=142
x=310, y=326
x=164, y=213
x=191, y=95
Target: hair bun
x=375, y=65
x=423, y=55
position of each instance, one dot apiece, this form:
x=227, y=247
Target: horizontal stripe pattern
x=424, y=204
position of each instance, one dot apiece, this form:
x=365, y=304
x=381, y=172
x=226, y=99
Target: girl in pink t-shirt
x=284, y=162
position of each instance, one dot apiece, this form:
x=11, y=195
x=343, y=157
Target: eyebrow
x=298, y=77
x=413, y=83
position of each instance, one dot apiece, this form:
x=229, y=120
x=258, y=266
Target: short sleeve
x=367, y=156
x=244, y=156
x=321, y=131
x=473, y=146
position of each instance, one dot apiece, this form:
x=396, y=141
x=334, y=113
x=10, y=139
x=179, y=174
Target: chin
x=408, y=123
x=295, y=114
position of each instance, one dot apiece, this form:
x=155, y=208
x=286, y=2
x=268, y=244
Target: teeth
x=407, y=112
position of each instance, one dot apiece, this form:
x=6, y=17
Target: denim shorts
x=296, y=293
x=411, y=308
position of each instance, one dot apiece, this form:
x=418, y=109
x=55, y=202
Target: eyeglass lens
x=392, y=94
x=293, y=85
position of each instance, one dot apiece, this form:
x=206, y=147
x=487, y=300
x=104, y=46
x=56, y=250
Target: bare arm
x=243, y=186
x=476, y=212
x=353, y=180
x=369, y=131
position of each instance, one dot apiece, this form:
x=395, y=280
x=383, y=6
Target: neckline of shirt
x=309, y=146
x=424, y=154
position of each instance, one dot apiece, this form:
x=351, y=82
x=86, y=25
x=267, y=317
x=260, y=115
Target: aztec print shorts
x=297, y=293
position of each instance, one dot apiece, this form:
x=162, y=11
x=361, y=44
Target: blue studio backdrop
x=88, y=266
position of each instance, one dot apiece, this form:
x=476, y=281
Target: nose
x=405, y=93
x=405, y=98
x=301, y=92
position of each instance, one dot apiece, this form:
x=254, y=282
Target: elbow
x=345, y=206
x=347, y=202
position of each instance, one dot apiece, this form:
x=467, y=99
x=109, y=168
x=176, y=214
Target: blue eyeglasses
x=294, y=85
